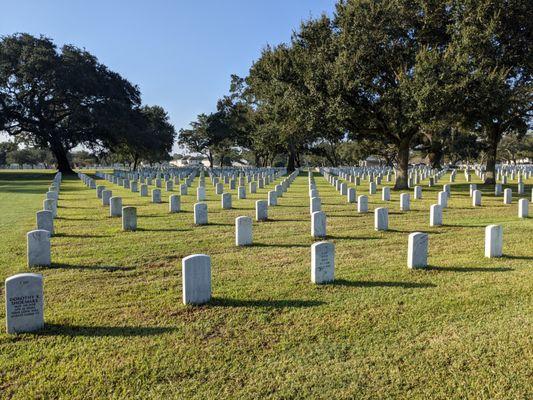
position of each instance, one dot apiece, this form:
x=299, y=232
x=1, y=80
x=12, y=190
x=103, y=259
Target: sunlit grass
x=116, y=327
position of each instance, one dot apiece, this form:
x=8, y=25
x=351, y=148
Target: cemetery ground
x=116, y=326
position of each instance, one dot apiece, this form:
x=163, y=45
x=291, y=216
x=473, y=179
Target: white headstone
x=196, y=279
x=106, y=195
x=261, y=210
x=476, y=198
x=362, y=204
x=381, y=219
x=322, y=262
x=507, y=196
x=417, y=252
x=38, y=248
x=404, y=202
x=144, y=190
x=243, y=231
x=435, y=215
x=318, y=224
x=129, y=218
x=523, y=208
x=350, y=195
x=493, y=241
x=24, y=303
x=385, y=193
x=200, y=214
x=45, y=221
x=200, y=193
x=156, y=196
x=272, y=198
x=315, y=205
x=115, y=206
x=174, y=203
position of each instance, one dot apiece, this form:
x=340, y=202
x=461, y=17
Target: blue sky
x=181, y=53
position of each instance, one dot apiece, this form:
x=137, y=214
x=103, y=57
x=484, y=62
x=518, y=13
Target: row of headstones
x=129, y=214
x=505, y=172
x=196, y=268
x=38, y=240
x=24, y=292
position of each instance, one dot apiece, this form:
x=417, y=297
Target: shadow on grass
x=100, y=331
x=225, y=302
x=288, y=245
x=87, y=267
x=163, y=230
x=65, y=235
x=517, y=257
x=404, y=285
x=351, y=237
x=470, y=269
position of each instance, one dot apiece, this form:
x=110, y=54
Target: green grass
x=116, y=326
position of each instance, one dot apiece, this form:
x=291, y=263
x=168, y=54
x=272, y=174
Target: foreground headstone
x=129, y=218
x=435, y=215
x=318, y=224
x=174, y=203
x=243, y=231
x=322, y=262
x=523, y=208
x=38, y=248
x=24, y=303
x=115, y=206
x=200, y=214
x=381, y=219
x=417, y=252
x=261, y=210
x=493, y=241
x=45, y=221
x=196, y=279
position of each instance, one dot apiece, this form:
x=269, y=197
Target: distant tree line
x=58, y=99
x=450, y=80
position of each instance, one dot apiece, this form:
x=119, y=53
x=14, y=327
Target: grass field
x=117, y=329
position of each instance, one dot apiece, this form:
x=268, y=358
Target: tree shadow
x=101, y=331
x=404, y=285
x=469, y=269
x=75, y=219
x=226, y=302
x=87, y=267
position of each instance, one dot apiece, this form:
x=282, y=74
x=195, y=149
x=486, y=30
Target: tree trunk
x=291, y=160
x=403, y=165
x=490, y=166
x=435, y=154
x=59, y=152
x=135, y=161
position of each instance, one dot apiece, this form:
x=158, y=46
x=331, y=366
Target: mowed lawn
x=116, y=327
